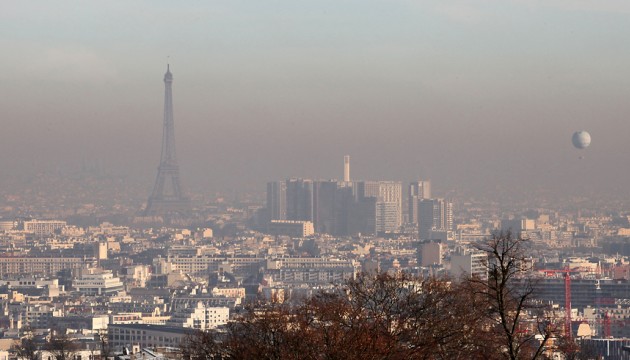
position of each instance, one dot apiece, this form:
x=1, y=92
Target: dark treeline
x=383, y=316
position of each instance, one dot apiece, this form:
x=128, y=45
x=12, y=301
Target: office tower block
x=100, y=250
x=422, y=188
x=426, y=218
x=431, y=253
x=418, y=190
x=277, y=200
x=331, y=203
x=517, y=226
x=366, y=189
x=344, y=198
x=167, y=197
x=388, y=204
x=346, y=168
x=291, y=228
x=391, y=211
x=387, y=191
x=388, y=217
x=362, y=216
x=299, y=199
x=469, y=262
x=434, y=215
x=324, y=193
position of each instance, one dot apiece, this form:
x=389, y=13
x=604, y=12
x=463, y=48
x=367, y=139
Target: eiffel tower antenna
x=167, y=198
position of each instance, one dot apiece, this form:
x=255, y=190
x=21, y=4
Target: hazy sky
x=472, y=94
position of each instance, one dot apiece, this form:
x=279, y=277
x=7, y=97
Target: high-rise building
x=418, y=190
x=469, y=262
x=518, y=226
x=362, y=216
x=431, y=253
x=346, y=168
x=388, y=217
x=434, y=215
x=325, y=203
x=426, y=218
x=167, y=197
x=388, y=195
x=344, y=198
x=292, y=228
x=331, y=203
x=324, y=215
x=299, y=199
x=277, y=200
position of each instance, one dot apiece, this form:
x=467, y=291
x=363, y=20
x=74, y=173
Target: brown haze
x=479, y=95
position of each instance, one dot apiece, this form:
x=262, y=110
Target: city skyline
x=465, y=161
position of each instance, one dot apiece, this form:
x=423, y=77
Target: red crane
x=567, y=297
x=607, y=325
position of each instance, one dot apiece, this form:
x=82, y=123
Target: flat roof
x=164, y=328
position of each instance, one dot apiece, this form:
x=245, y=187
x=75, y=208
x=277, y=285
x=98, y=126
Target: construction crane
x=607, y=332
x=567, y=297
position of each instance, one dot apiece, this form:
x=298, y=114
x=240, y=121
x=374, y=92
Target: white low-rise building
x=97, y=282
x=43, y=227
x=200, y=317
x=52, y=286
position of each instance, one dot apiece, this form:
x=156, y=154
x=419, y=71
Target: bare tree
x=415, y=318
x=575, y=350
x=201, y=345
x=378, y=316
x=383, y=316
x=449, y=323
x=508, y=293
x=27, y=349
x=61, y=347
x=104, y=345
x=270, y=332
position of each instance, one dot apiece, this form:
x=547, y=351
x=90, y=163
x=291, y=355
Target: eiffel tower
x=167, y=198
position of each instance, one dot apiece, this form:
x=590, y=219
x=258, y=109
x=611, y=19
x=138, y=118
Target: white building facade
x=200, y=317
x=97, y=282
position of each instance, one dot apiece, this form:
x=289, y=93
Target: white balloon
x=581, y=139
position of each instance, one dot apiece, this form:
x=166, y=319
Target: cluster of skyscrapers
x=348, y=207
x=333, y=207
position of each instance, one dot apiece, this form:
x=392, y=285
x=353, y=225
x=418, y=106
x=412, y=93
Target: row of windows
x=143, y=338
